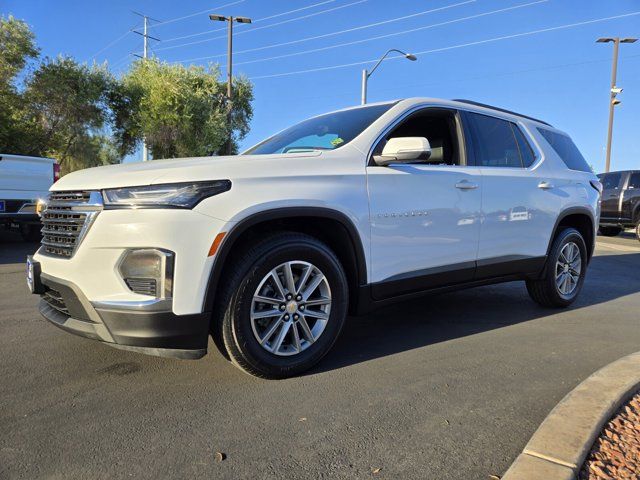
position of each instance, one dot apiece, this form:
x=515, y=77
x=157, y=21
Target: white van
x=23, y=181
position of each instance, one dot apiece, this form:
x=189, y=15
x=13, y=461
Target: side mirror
x=404, y=150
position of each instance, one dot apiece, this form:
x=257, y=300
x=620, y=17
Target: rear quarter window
x=566, y=150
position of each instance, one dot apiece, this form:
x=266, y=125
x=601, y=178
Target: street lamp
x=614, y=90
x=366, y=74
x=221, y=18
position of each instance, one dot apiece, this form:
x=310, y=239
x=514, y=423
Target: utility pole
x=145, y=55
x=230, y=20
x=614, y=91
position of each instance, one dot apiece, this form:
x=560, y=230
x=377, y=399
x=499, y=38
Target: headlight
x=169, y=195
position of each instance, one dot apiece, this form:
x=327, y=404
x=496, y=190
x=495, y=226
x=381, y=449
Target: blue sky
x=530, y=56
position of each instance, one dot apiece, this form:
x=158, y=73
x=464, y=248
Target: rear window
x=566, y=150
x=634, y=181
x=498, y=143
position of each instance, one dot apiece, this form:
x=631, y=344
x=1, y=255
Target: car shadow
x=439, y=318
x=13, y=249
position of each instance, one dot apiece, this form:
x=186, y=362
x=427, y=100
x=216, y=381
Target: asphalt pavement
x=446, y=387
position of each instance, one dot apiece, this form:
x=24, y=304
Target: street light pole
x=230, y=20
x=366, y=74
x=613, y=92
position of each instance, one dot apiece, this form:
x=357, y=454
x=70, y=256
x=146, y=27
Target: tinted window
x=634, y=181
x=566, y=150
x=495, y=142
x=325, y=132
x=610, y=180
x=526, y=152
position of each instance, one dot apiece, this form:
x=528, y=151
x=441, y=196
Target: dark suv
x=620, y=202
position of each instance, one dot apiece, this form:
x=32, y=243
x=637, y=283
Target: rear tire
x=565, y=270
x=266, y=333
x=638, y=230
x=610, y=231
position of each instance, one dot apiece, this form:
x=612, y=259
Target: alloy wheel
x=290, y=308
x=568, y=268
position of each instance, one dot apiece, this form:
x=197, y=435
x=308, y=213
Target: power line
x=208, y=10
x=206, y=32
x=267, y=26
x=378, y=37
x=453, y=47
x=92, y=57
x=347, y=93
x=331, y=34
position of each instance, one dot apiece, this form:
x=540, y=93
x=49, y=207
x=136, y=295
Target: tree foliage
x=83, y=116
x=182, y=111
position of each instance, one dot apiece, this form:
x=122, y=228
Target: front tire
x=565, y=270
x=637, y=230
x=286, y=303
x=610, y=231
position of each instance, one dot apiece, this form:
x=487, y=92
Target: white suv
x=269, y=251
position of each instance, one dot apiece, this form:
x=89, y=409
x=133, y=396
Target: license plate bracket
x=33, y=276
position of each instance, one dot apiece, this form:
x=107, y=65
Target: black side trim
x=509, y=265
x=280, y=213
x=453, y=277
x=421, y=280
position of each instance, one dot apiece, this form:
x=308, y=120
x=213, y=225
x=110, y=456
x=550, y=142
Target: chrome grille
x=66, y=220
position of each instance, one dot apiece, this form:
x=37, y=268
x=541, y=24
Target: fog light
x=148, y=271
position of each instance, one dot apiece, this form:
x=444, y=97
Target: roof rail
x=491, y=107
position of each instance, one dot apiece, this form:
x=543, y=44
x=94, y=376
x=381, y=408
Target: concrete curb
x=559, y=447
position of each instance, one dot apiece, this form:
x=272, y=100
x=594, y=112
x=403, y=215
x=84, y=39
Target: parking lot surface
x=447, y=387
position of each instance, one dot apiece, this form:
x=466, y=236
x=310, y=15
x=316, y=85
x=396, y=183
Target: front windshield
x=326, y=132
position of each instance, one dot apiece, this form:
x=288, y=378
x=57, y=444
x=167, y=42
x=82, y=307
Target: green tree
x=67, y=105
x=181, y=111
x=17, y=47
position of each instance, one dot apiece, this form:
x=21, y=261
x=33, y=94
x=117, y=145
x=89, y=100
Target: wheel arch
x=344, y=239
x=580, y=218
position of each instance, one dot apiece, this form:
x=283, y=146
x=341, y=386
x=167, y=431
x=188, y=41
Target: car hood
x=178, y=170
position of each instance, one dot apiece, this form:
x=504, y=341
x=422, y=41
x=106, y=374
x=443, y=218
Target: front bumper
x=144, y=327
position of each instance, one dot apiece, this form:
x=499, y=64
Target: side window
x=634, y=181
x=496, y=142
x=438, y=126
x=611, y=180
x=526, y=152
x=566, y=150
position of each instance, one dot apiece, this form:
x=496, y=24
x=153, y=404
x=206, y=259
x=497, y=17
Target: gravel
x=616, y=453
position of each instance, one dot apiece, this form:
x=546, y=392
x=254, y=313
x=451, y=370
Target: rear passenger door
x=518, y=205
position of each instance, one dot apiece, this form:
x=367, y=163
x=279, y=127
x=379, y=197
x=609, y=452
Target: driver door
x=425, y=217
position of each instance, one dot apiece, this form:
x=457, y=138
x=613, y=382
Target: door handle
x=466, y=185
x=545, y=185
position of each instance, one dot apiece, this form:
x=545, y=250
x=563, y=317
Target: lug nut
x=282, y=307
x=289, y=296
x=296, y=316
x=301, y=307
x=286, y=317
x=298, y=297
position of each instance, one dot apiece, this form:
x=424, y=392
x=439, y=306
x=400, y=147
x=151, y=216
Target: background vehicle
x=24, y=180
x=620, y=202
x=268, y=251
